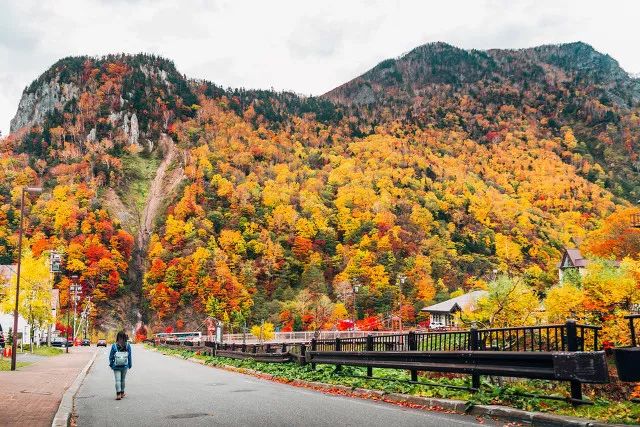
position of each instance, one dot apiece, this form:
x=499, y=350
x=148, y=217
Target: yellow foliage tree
x=263, y=332
x=509, y=302
x=563, y=302
x=35, y=292
x=507, y=250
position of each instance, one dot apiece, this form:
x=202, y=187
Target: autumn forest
x=431, y=175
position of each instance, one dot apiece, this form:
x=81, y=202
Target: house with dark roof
x=572, y=260
x=442, y=313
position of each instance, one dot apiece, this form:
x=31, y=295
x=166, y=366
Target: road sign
x=55, y=262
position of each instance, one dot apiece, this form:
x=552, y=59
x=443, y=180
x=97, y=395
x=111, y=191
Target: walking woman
x=120, y=361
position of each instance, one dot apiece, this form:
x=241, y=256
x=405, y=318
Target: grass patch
x=138, y=173
x=509, y=394
x=44, y=351
x=5, y=364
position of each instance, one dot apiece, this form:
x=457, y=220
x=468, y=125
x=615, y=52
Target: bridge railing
x=522, y=338
x=554, y=352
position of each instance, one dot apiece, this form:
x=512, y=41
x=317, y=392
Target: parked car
x=85, y=342
x=101, y=343
x=60, y=342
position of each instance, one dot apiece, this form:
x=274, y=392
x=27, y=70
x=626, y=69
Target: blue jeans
x=120, y=374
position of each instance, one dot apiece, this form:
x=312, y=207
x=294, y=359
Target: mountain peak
x=129, y=80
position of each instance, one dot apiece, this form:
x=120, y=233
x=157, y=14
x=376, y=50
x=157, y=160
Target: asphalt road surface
x=166, y=391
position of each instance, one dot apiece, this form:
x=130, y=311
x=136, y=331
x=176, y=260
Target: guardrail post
x=303, y=354
x=314, y=344
x=474, y=345
x=338, y=348
x=572, y=345
x=413, y=346
x=284, y=347
x=369, y=348
x=214, y=348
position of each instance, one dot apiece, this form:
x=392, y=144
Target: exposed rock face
x=134, y=133
x=92, y=135
x=34, y=106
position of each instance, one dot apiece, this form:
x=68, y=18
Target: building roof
x=457, y=303
x=572, y=258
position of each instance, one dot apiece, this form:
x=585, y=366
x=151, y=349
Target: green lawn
x=5, y=364
x=509, y=394
x=44, y=351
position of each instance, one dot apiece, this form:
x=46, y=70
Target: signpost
x=55, y=262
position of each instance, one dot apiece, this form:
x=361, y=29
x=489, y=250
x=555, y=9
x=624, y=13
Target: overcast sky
x=305, y=46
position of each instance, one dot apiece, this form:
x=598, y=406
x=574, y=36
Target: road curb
x=62, y=417
x=504, y=413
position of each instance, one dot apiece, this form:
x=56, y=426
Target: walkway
x=31, y=395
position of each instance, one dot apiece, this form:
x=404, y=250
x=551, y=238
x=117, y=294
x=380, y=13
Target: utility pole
x=14, y=344
x=76, y=297
x=72, y=288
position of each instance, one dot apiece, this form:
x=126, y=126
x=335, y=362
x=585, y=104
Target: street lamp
x=14, y=344
x=355, y=286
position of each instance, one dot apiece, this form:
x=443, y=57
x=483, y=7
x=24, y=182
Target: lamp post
x=355, y=286
x=400, y=279
x=14, y=344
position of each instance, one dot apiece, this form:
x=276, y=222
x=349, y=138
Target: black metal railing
x=523, y=338
x=540, y=338
x=443, y=341
x=632, y=328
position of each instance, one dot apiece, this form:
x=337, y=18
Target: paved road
x=165, y=391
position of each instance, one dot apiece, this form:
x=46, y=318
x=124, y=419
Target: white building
x=442, y=314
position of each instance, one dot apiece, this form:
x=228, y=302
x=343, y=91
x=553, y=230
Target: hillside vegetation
x=427, y=175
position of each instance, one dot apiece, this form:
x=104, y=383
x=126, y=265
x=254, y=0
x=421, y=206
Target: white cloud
x=308, y=47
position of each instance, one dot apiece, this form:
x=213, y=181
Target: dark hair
x=121, y=339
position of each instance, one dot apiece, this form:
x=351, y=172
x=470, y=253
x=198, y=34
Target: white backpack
x=121, y=358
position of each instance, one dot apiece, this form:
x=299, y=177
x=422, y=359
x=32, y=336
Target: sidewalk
x=31, y=395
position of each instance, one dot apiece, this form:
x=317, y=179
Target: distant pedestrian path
x=31, y=395
x=166, y=391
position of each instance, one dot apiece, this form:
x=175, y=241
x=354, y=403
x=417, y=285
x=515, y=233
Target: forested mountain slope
x=438, y=167
x=486, y=93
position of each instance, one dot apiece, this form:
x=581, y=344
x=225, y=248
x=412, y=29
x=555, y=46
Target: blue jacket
x=112, y=358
